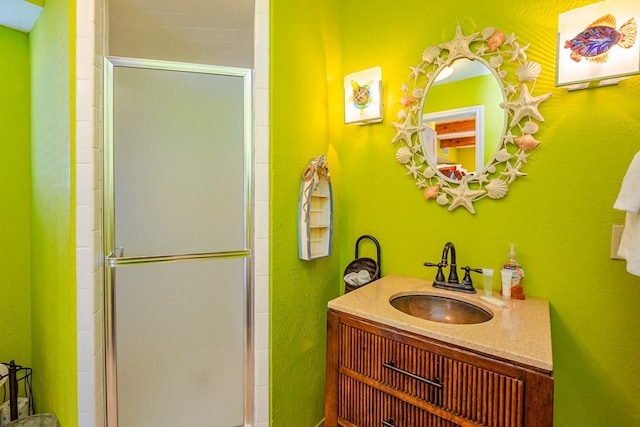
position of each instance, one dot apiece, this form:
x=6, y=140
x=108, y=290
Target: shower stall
x=177, y=234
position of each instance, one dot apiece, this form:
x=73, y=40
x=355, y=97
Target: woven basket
x=368, y=264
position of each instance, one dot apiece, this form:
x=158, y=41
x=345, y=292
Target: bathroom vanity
x=387, y=368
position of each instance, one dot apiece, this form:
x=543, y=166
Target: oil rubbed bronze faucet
x=452, y=282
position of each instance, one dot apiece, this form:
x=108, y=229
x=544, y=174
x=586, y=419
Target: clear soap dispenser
x=512, y=287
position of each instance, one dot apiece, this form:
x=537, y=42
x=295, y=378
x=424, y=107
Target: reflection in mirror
x=453, y=140
x=502, y=91
x=463, y=108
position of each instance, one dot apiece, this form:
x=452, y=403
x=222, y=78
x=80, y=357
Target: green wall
x=306, y=73
x=15, y=317
x=559, y=216
x=53, y=288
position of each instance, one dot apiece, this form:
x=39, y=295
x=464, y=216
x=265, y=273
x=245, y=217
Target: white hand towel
x=629, y=200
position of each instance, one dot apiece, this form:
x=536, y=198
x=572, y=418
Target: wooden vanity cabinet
x=381, y=376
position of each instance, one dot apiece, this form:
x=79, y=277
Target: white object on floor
x=5, y=410
x=4, y=374
x=629, y=201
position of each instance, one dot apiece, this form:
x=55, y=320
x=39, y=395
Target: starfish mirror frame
x=507, y=60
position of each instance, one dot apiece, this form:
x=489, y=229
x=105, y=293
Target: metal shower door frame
x=113, y=258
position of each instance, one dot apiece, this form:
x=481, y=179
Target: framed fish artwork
x=598, y=45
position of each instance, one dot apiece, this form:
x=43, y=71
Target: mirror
x=475, y=91
x=462, y=112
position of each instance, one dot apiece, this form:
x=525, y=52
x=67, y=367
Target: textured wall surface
x=305, y=71
x=559, y=216
x=53, y=288
x=15, y=310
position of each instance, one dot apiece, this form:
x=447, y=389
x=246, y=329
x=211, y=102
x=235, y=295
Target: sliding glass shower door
x=177, y=187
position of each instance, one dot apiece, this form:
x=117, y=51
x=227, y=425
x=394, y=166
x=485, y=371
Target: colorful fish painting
x=599, y=37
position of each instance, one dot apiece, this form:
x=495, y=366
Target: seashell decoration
x=530, y=127
x=496, y=40
x=430, y=54
x=429, y=173
x=442, y=200
x=528, y=71
x=497, y=189
x=408, y=100
x=487, y=32
x=496, y=61
x=404, y=155
x=431, y=192
x=527, y=142
x=517, y=78
x=503, y=155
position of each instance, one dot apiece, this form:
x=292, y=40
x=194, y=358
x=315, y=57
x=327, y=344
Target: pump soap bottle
x=517, y=274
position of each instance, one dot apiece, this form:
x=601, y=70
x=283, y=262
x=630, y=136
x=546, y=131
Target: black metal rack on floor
x=17, y=374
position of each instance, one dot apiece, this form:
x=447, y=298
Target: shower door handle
x=113, y=256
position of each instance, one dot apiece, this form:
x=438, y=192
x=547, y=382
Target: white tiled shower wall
x=88, y=221
x=90, y=42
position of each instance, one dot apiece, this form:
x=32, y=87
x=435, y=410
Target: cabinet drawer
x=400, y=366
x=473, y=393
x=364, y=406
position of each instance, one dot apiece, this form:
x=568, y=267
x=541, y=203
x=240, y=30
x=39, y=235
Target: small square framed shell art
x=363, y=96
x=598, y=44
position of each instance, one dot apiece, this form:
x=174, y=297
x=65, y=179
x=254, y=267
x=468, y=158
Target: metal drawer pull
x=389, y=423
x=391, y=365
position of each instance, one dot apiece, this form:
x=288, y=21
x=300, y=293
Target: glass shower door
x=177, y=224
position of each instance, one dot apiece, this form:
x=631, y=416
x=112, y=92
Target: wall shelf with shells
x=505, y=57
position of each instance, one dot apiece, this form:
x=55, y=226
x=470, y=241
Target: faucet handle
x=466, y=281
x=439, y=275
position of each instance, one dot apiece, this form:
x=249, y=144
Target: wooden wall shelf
x=315, y=211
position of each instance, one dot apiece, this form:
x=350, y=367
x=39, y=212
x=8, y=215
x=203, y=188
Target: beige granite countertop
x=520, y=332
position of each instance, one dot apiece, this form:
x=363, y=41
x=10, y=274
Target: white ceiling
x=464, y=68
x=216, y=32
x=19, y=14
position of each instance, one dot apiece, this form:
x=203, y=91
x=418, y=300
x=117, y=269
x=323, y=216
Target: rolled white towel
x=629, y=201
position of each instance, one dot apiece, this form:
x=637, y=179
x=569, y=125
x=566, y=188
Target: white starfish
x=462, y=195
x=415, y=71
x=510, y=89
x=413, y=169
x=510, y=39
x=522, y=156
x=519, y=52
x=525, y=106
x=459, y=46
x=482, y=178
x=509, y=137
x=405, y=130
x=511, y=172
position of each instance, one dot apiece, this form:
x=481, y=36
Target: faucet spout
x=453, y=269
x=452, y=282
